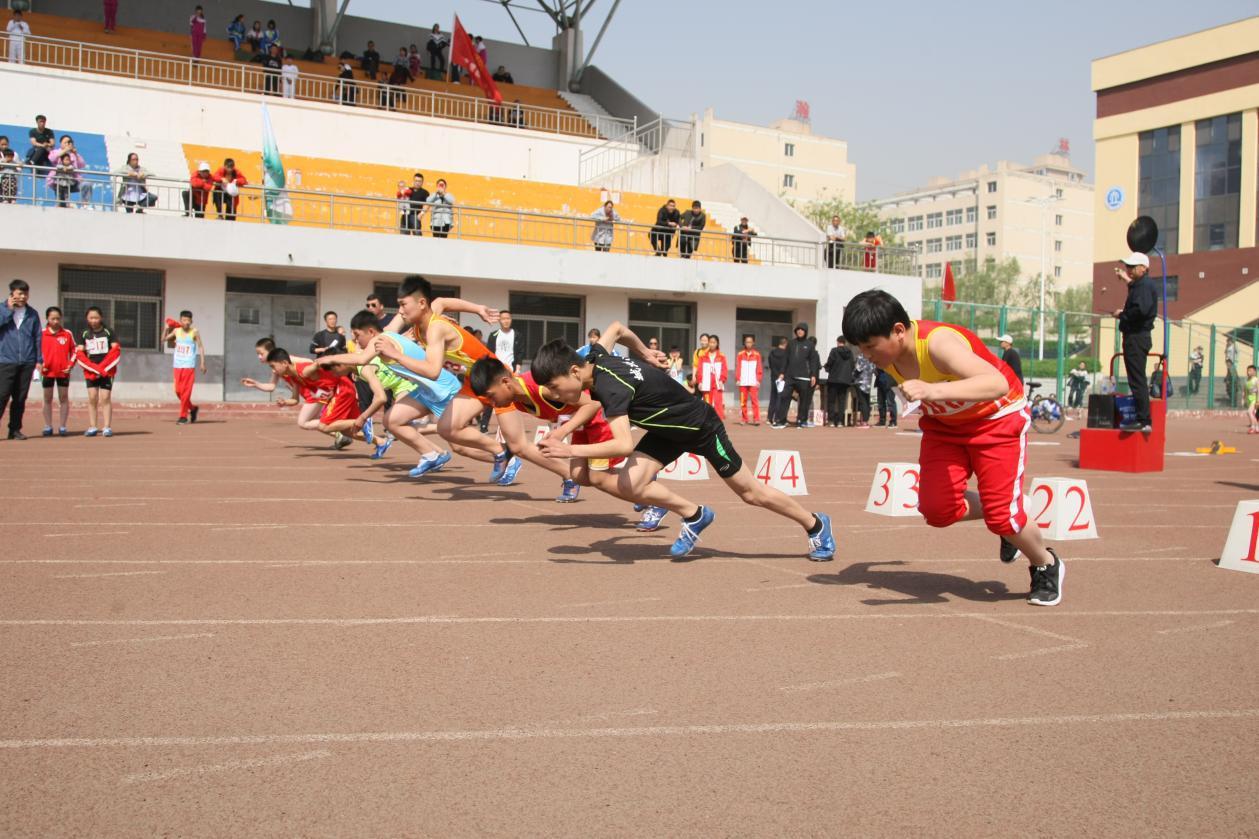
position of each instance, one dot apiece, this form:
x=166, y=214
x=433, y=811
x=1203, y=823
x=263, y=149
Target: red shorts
x=341, y=406
x=995, y=451
x=596, y=431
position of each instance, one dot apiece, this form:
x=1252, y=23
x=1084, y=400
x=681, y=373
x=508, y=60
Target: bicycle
x=1047, y=412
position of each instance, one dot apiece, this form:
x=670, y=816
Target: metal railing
x=103, y=192
x=252, y=78
x=662, y=135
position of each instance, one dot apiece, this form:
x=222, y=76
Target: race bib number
x=183, y=351
x=97, y=346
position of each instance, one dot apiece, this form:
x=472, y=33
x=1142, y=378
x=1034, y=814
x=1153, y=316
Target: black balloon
x=1142, y=234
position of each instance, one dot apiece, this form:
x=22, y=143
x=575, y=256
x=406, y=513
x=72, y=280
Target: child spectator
x=289, y=74
x=675, y=365
x=18, y=29
x=436, y=47
x=9, y=170
x=270, y=37
x=714, y=370
x=66, y=176
x=1252, y=399
x=196, y=31
x=413, y=61
x=57, y=345
x=236, y=32
x=98, y=354
x=750, y=370
x=481, y=50
x=411, y=201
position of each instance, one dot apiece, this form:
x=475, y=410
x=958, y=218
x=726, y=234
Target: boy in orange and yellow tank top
x=974, y=421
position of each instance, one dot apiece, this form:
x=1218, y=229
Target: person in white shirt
x=509, y=345
x=288, y=77
x=18, y=29
x=836, y=233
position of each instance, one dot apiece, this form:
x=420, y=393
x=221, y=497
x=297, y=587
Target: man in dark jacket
x=667, y=220
x=777, y=363
x=20, y=352
x=693, y=221
x=839, y=371
x=1136, y=321
x=800, y=377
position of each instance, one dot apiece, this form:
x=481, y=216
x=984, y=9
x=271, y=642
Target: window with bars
x=953, y=243
x=130, y=300
x=935, y=220
x=972, y=213
x=914, y=223
x=544, y=317
x=670, y=323
x=952, y=217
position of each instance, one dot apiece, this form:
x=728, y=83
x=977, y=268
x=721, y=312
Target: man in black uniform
x=1136, y=320
x=777, y=384
x=840, y=366
x=641, y=394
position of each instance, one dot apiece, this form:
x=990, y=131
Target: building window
x=957, y=267
x=672, y=324
x=130, y=300
x=1058, y=193
x=992, y=186
x=1057, y=272
x=990, y=238
x=1058, y=220
x=545, y=317
x=935, y=220
x=953, y=217
x=789, y=150
x=992, y=211
x=1217, y=183
x=898, y=225
x=953, y=243
x=915, y=246
x=1173, y=289
x=935, y=245
x=915, y=223
x=789, y=181
x=249, y=315
x=971, y=214
x=972, y=240
x=1158, y=184
x=1057, y=246
x=935, y=271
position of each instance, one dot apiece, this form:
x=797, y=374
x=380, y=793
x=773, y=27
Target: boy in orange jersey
x=749, y=370
x=975, y=420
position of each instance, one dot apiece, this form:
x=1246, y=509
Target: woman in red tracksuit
x=714, y=369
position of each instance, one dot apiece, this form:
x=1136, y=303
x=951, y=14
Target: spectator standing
x=347, y=88
x=1252, y=399
x=751, y=369
x=236, y=32
x=501, y=75
x=1077, y=385
x=196, y=30
x=330, y=340
x=864, y=375
x=254, y=38
x=1136, y=321
x=885, y=385
x=18, y=29
x=42, y=141
x=836, y=233
x=412, y=200
x=481, y=50
x=1196, y=360
x=777, y=364
x=436, y=48
x=57, y=351
x=606, y=218
x=693, y=221
x=509, y=345
x=133, y=193
x=698, y=356
x=442, y=214
x=872, y=242
x=1230, y=370
x=189, y=356
x=111, y=16
x=272, y=65
x=413, y=61
x=713, y=372
x=201, y=184
x=667, y=220
x=10, y=168
x=20, y=352
x=98, y=354
x=377, y=307
x=800, y=377
x=288, y=76
x=741, y=240
x=228, y=181
x=1011, y=356
x=840, y=367
x=370, y=62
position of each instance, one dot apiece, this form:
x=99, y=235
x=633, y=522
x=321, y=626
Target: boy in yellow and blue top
x=189, y=356
x=974, y=421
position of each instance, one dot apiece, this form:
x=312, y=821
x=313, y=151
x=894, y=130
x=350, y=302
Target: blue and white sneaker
x=442, y=460
x=689, y=534
x=568, y=492
x=382, y=448
x=652, y=517
x=500, y=466
x=425, y=466
x=823, y=544
x=509, y=474
x=108, y=432
x=91, y=432
x=369, y=432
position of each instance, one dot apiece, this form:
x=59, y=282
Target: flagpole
x=451, y=61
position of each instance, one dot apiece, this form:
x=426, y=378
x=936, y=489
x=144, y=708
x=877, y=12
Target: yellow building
x=1177, y=133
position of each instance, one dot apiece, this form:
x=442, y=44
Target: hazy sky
x=917, y=88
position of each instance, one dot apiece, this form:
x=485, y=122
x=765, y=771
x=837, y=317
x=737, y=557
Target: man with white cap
x=1011, y=356
x=1136, y=320
x=201, y=186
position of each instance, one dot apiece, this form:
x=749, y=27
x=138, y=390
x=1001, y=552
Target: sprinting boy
x=329, y=396
x=641, y=394
x=58, y=350
x=189, y=355
x=308, y=413
x=975, y=420
x=749, y=369
x=337, y=418
x=98, y=354
x=1252, y=398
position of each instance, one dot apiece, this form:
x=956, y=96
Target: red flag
x=949, y=294
x=463, y=53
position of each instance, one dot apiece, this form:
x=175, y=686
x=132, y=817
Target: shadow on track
x=575, y=521
x=629, y=549
x=921, y=587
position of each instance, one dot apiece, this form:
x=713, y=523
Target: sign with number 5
x=688, y=467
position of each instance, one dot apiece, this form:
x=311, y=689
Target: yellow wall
x=1191, y=50
x=1116, y=166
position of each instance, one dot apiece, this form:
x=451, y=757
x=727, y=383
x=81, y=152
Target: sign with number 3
x=894, y=491
x=688, y=467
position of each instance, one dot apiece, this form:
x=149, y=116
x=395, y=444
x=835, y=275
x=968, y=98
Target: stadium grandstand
x=324, y=153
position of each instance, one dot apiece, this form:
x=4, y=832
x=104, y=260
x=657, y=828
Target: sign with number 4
x=688, y=467
x=1062, y=508
x=1241, y=549
x=782, y=470
x=541, y=432
x=894, y=491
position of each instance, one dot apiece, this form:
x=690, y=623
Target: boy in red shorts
x=335, y=393
x=974, y=420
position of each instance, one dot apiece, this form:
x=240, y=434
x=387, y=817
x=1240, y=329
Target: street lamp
x=1043, y=203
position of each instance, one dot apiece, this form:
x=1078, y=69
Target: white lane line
x=248, y=763
x=611, y=602
x=634, y=712
x=835, y=683
x=1043, y=651
x=142, y=640
x=104, y=574
x=788, y=585
x=1215, y=625
x=124, y=504
x=1041, y=632
x=85, y=533
x=492, y=559
x=251, y=527
x=640, y=731
x=440, y=619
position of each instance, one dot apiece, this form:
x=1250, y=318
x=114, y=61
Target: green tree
x=856, y=218
x=994, y=283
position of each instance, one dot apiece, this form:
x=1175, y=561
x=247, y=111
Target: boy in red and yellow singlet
x=315, y=386
x=974, y=421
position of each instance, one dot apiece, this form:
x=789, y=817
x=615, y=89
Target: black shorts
x=711, y=443
x=64, y=381
x=103, y=383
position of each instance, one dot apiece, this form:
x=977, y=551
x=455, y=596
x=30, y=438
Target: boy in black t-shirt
x=641, y=394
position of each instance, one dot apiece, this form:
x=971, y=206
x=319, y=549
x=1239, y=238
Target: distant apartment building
x=1039, y=214
x=786, y=157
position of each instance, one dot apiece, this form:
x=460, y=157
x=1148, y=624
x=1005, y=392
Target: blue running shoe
x=823, y=544
x=369, y=432
x=689, y=534
x=442, y=460
x=425, y=466
x=91, y=432
x=652, y=517
x=568, y=492
x=382, y=448
x=509, y=474
x=108, y=432
x=500, y=466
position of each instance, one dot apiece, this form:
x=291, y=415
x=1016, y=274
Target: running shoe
x=340, y=441
x=822, y=545
x=568, y=492
x=47, y=432
x=500, y=466
x=1047, y=582
x=638, y=508
x=1009, y=553
x=108, y=432
x=382, y=448
x=369, y=432
x=510, y=473
x=91, y=432
x=194, y=411
x=442, y=460
x=62, y=432
x=652, y=517
x=426, y=465
x=689, y=534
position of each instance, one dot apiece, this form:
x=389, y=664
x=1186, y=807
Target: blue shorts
x=436, y=406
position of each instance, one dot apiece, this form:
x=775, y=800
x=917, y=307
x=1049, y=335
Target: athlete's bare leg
x=398, y=420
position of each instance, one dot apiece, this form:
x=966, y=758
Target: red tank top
x=551, y=410
x=323, y=387
x=955, y=411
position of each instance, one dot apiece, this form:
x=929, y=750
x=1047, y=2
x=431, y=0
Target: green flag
x=278, y=207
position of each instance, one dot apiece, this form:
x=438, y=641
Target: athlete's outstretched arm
x=456, y=304
x=397, y=324
x=440, y=335
x=621, y=444
x=977, y=379
x=355, y=359
x=619, y=333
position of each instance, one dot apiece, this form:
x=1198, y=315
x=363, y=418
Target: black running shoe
x=1047, y=582
x=1009, y=553
x=196, y=409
